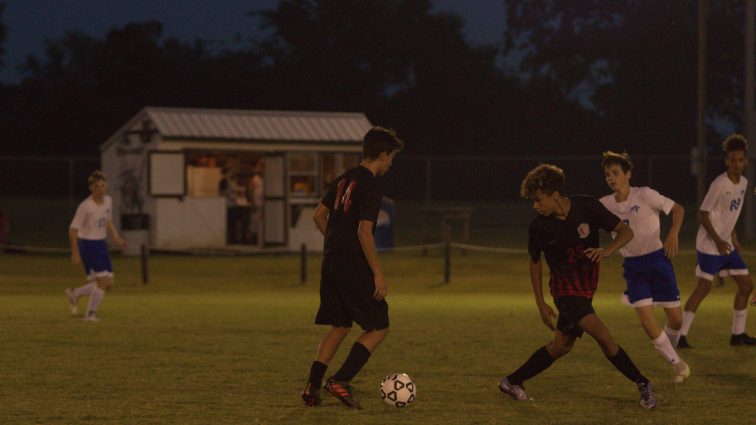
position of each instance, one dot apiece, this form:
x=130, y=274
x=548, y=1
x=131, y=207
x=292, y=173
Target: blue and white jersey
x=91, y=219
x=640, y=211
x=723, y=202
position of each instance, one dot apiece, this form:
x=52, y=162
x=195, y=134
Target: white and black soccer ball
x=398, y=390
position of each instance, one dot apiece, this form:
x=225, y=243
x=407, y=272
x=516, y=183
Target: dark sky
x=30, y=22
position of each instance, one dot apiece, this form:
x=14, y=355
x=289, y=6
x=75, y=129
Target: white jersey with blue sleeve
x=723, y=202
x=91, y=219
x=640, y=211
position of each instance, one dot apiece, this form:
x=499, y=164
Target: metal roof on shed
x=259, y=125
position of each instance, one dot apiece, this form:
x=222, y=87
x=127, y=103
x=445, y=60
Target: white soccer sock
x=673, y=335
x=84, y=290
x=94, y=300
x=739, y=321
x=688, y=317
x=664, y=347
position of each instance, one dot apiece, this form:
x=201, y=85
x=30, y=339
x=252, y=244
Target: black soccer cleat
x=311, y=396
x=742, y=339
x=683, y=343
x=647, y=398
x=343, y=391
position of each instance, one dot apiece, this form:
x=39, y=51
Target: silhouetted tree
x=2, y=34
x=633, y=63
x=406, y=66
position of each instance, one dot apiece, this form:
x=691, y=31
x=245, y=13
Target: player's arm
x=536, y=279
x=624, y=235
x=672, y=242
x=723, y=247
x=367, y=242
x=320, y=217
x=116, y=236
x=73, y=239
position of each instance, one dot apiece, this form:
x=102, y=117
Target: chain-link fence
x=46, y=177
x=419, y=178
x=449, y=179
x=39, y=194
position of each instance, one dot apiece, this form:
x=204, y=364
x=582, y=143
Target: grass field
x=229, y=340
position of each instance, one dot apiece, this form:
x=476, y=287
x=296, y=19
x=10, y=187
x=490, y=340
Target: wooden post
x=145, y=276
x=447, y=262
x=303, y=265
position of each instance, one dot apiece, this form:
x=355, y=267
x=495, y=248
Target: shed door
x=274, y=207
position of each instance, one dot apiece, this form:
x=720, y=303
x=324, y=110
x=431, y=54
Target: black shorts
x=571, y=311
x=346, y=295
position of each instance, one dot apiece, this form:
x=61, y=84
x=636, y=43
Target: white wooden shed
x=165, y=165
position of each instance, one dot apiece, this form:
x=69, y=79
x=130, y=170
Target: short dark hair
x=547, y=178
x=735, y=142
x=614, y=158
x=95, y=177
x=378, y=140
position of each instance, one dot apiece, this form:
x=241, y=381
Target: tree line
x=567, y=77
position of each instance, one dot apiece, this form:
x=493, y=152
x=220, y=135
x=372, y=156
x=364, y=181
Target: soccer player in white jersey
x=648, y=270
x=717, y=247
x=87, y=234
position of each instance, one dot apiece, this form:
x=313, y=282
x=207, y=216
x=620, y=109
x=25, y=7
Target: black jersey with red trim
x=354, y=196
x=564, y=241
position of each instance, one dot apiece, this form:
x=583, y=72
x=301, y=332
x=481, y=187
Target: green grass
x=230, y=340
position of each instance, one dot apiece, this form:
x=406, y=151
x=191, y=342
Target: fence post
x=447, y=262
x=71, y=182
x=428, y=187
x=303, y=264
x=145, y=277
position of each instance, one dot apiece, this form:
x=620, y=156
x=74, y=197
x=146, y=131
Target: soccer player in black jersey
x=352, y=286
x=566, y=231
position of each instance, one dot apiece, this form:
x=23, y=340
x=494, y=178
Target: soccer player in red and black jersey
x=352, y=285
x=566, y=231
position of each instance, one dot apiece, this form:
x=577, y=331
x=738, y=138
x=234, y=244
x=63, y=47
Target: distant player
x=717, y=247
x=648, y=270
x=352, y=285
x=566, y=231
x=87, y=234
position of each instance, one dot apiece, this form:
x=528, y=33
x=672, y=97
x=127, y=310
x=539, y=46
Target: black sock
x=623, y=363
x=537, y=363
x=317, y=371
x=353, y=363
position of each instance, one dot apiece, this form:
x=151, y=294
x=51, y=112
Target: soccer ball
x=398, y=390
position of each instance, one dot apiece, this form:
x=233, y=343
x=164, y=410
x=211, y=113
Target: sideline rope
x=412, y=248
x=462, y=246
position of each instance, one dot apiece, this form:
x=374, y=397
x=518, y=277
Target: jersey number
x=344, y=198
x=101, y=222
x=735, y=204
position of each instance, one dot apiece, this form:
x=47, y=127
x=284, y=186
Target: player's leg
x=662, y=342
x=703, y=287
x=327, y=348
x=104, y=281
x=674, y=323
x=740, y=310
x=331, y=312
x=619, y=358
x=539, y=361
x=330, y=343
x=99, y=265
x=73, y=294
x=356, y=290
x=706, y=268
x=567, y=331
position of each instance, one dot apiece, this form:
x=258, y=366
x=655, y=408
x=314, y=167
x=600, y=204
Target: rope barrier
x=412, y=248
x=492, y=249
x=407, y=248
